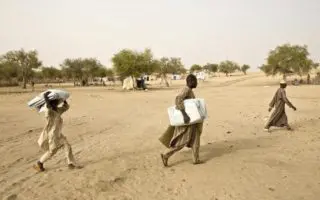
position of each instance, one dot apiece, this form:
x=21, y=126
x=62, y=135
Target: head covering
x=283, y=82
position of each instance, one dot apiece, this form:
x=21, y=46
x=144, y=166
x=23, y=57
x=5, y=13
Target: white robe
x=51, y=137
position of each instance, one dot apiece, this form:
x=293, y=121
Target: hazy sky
x=198, y=31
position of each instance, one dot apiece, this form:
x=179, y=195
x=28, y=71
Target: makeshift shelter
x=129, y=83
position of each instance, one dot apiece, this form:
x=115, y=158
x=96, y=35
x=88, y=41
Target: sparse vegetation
x=21, y=67
x=228, y=67
x=195, y=68
x=244, y=69
x=211, y=67
x=286, y=59
x=169, y=66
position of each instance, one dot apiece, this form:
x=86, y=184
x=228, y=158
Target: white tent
x=201, y=75
x=129, y=83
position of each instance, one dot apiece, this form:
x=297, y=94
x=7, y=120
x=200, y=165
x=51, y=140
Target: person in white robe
x=51, y=138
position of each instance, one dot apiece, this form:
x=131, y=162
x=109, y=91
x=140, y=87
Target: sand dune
x=115, y=134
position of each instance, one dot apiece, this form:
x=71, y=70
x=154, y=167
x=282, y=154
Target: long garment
x=176, y=138
x=279, y=118
x=51, y=138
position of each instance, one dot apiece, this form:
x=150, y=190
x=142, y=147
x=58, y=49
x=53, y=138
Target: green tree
x=109, y=73
x=90, y=69
x=72, y=69
x=37, y=76
x=195, y=68
x=287, y=59
x=24, y=62
x=51, y=73
x=132, y=63
x=8, y=71
x=227, y=67
x=244, y=68
x=169, y=66
x=206, y=67
x=8, y=74
x=100, y=72
x=145, y=62
x=104, y=72
x=211, y=67
x=81, y=69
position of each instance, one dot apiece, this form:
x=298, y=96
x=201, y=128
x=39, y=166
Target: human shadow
x=217, y=149
x=208, y=151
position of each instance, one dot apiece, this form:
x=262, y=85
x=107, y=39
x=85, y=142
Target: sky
x=198, y=31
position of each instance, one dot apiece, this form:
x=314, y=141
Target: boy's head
x=283, y=84
x=192, y=81
x=54, y=103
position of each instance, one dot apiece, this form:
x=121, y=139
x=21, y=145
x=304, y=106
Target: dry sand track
x=115, y=136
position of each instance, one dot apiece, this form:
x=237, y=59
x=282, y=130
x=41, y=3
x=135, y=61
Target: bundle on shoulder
x=55, y=94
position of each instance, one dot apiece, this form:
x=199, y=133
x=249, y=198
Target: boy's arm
x=180, y=98
x=46, y=99
x=180, y=105
x=64, y=107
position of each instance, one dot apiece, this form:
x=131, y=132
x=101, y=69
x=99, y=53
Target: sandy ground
x=114, y=134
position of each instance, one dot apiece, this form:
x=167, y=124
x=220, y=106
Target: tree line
x=227, y=67
x=289, y=59
x=22, y=66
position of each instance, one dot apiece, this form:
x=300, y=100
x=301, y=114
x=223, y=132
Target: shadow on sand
x=221, y=148
x=208, y=151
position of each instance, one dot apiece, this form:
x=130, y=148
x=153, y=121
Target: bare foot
x=289, y=128
x=39, y=167
x=198, y=162
x=267, y=130
x=72, y=166
x=164, y=160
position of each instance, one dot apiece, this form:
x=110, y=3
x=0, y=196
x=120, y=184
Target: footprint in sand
x=11, y=197
x=113, y=184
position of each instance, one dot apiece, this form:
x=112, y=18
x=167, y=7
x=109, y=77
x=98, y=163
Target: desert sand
x=114, y=135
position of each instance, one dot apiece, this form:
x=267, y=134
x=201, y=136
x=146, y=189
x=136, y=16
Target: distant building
x=176, y=77
x=151, y=77
x=201, y=75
